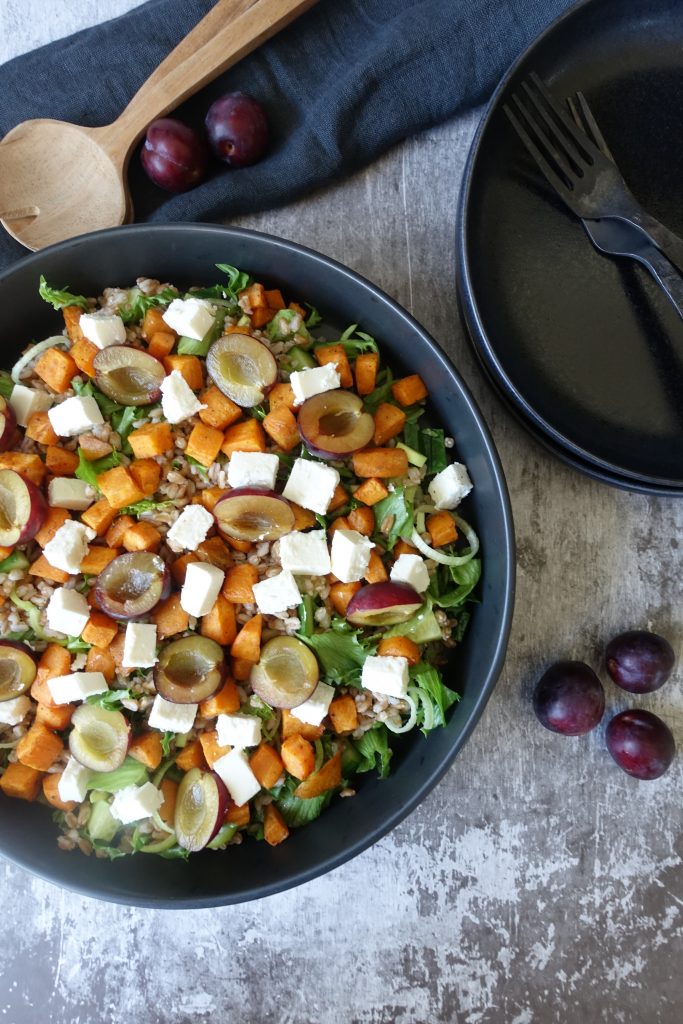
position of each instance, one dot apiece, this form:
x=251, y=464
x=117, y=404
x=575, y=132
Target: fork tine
x=562, y=149
x=593, y=127
x=579, y=136
x=550, y=174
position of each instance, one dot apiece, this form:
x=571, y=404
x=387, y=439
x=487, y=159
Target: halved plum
x=132, y=585
x=383, y=604
x=190, y=670
x=18, y=669
x=201, y=805
x=128, y=375
x=99, y=738
x=287, y=673
x=22, y=509
x=8, y=424
x=242, y=367
x=253, y=513
x=334, y=424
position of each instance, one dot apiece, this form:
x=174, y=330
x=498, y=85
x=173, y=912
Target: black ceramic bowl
x=186, y=254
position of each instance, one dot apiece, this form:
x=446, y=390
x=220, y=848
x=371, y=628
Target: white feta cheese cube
x=240, y=781
x=169, y=717
x=306, y=383
x=68, y=492
x=190, y=528
x=178, y=400
x=74, y=416
x=311, y=485
x=201, y=588
x=133, y=803
x=350, y=555
x=103, y=329
x=276, y=594
x=13, y=711
x=411, y=569
x=192, y=318
x=238, y=730
x=450, y=486
x=76, y=686
x=385, y=675
x=73, y=782
x=253, y=469
x=25, y=401
x=305, y=553
x=139, y=645
x=67, y=612
x=69, y=546
x=313, y=710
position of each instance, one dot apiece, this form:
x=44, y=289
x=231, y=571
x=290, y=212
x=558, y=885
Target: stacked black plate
x=584, y=348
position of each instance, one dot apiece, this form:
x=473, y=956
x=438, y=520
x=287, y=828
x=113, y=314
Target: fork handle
x=665, y=274
x=666, y=241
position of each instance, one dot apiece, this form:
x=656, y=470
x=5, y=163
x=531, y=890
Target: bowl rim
x=507, y=553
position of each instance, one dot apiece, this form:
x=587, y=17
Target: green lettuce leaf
x=399, y=504
x=138, y=303
x=110, y=700
x=130, y=773
x=89, y=471
x=466, y=577
x=341, y=651
x=374, y=749
x=59, y=298
x=280, y=327
x=6, y=384
x=17, y=560
x=146, y=505
x=433, y=693
x=298, y=812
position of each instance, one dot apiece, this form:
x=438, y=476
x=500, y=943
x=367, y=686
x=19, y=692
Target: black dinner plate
x=586, y=347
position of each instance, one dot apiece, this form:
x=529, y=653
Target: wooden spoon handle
x=231, y=30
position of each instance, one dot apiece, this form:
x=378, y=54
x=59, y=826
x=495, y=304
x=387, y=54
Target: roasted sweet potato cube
x=60, y=461
x=150, y=440
x=225, y=702
x=362, y=520
x=211, y=747
x=30, y=466
x=147, y=475
x=189, y=367
x=336, y=354
x=220, y=623
x=341, y=594
x=241, y=669
x=83, y=353
x=282, y=394
x=72, y=316
x=274, y=299
x=366, y=372
x=275, y=829
x=280, y=424
x=239, y=582
x=217, y=552
x=204, y=444
x=39, y=748
x=99, y=630
x=161, y=344
x=191, y=756
x=117, y=531
x=339, y=498
x=42, y=568
x=142, y=537
x=20, y=781
x=40, y=429
x=371, y=491
x=266, y=764
x=119, y=487
x=179, y=567
x=169, y=791
x=261, y=317
x=153, y=321
x=376, y=571
x=303, y=517
x=97, y=560
x=99, y=517
x=146, y=748
x=442, y=528
x=343, y=714
x=50, y=785
x=381, y=462
x=220, y=411
x=389, y=422
x=208, y=496
x=56, y=368
x=56, y=718
x=170, y=618
x=244, y=437
x=247, y=644
x=327, y=777
x=291, y=726
x=101, y=660
x=55, y=518
x=298, y=756
x=409, y=390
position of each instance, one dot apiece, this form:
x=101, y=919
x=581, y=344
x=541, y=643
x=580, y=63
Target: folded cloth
x=342, y=84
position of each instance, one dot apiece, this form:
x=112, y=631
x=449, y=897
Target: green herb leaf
x=285, y=324
x=17, y=560
x=432, y=690
x=89, y=471
x=429, y=441
x=341, y=652
x=130, y=773
x=461, y=625
x=138, y=303
x=399, y=504
x=382, y=393
x=356, y=342
x=6, y=384
x=58, y=299
x=465, y=576
x=195, y=462
x=110, y=700
x=297, y=812
x=306, y=613
x=313, y=318
x=373, y=746
x=146, y=505
x=75, y=644
x=166, y=741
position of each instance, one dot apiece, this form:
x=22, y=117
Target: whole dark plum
x=639, y=661
x=238, y=129
x=641, y=743
x=174, y=155
x=569, y=698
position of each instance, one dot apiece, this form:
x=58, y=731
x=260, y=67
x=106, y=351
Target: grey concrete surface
x=537, y=883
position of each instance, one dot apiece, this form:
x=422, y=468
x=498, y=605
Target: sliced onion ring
x=433, y=553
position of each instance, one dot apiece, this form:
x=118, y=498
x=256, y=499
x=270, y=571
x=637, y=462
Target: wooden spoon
x=58, y=179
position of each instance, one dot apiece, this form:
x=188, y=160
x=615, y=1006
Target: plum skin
x=569, y=698
x=174, y=156
x=237, y=129
x=639, y=661
x=640, y=743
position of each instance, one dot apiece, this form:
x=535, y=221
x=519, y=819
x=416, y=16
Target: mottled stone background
x=537, y=883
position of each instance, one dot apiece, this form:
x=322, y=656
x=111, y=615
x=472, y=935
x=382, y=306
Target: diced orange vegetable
x=61, y=462
x=147, y=474
x=339, y=498
x=154, y=321
x=303, y=517
x=179, y=567
x=340, y=523
x=343, y=714
x=117, y=531
x=56, y=368
x=101, y=660
x=281, y=394
x=217, y=552
x=146, y=748
x=204, y=444
x=376, y=572
x=261, y=317
x=402, y=547
x=298, y=756
x=39, y=748
x=362, y=520
x=298, y=309
x=55, y=518
x=327, y=777
x=399, y=647
x=142, y=537
x=238, y=583
x=225, y=702
x=161, y=344
x=51, y=792
x=280, y=424
x=238, y=815
x=92, y=448
x=5, y=552
x=211, y=747
x=54, y=661
x=366, y=372
x=341, y=594
x=220, y=623
x=371, y=491
x=40, y=429
x=266, y=764
x=20, y=781
x=244, y=437
x=97, y=560
x=220, y=411
x=191, y=756
x=98, y=517
x=247, y=644
x=274, y=299
x=255, y=295
x=409, y=390
x=239, y=545
x=56, y=718
x=169, y=791
x=119, y=487
x=241, y=669
x=72, y=316
x=336, y=354
x=116, y=649
x=442, y=528
x=83, y=353
x=99, y=630
x=42, y=568
x=30, y=466
x=170, y=618
x=208, y=497
x=275, y=829
x=389, y=421
x=189, y=367
x=291, y=726
x=150, y=440
x=382, y=462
